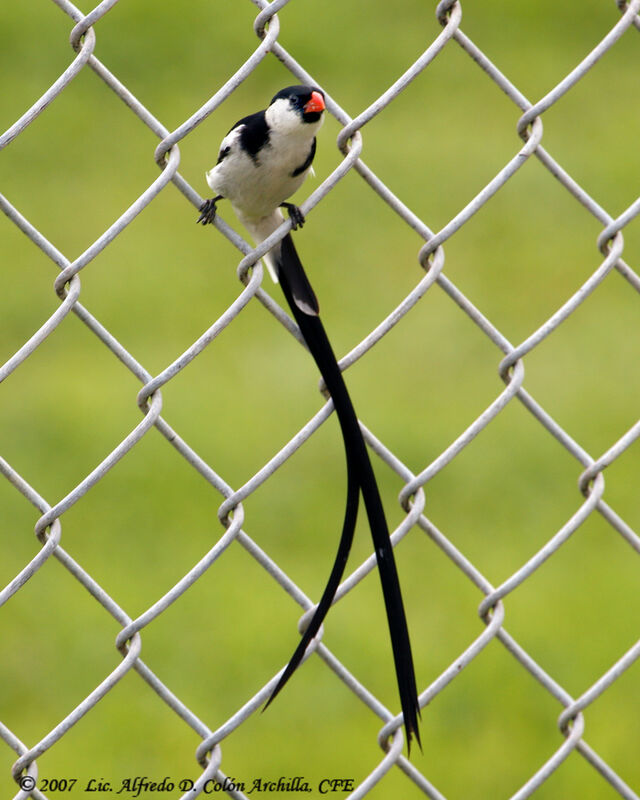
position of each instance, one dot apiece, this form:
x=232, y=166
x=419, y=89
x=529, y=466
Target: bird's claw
x=207, y=212
x=295, y=215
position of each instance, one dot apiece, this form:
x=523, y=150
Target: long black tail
x=360, y=476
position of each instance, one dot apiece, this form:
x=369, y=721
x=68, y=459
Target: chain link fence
x=606, y=775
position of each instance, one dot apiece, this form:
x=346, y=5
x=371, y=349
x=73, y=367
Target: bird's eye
x=223, y=153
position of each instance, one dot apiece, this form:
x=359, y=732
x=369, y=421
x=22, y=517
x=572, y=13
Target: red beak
x=316, y=103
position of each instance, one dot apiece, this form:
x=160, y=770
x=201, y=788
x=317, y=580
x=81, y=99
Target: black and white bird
x=262, y=161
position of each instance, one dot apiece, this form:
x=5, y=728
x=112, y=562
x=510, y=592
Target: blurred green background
x=160, y=284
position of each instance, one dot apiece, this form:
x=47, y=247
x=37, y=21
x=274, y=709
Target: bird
x=262, y=161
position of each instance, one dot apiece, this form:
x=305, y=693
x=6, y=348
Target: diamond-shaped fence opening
x=472, y=239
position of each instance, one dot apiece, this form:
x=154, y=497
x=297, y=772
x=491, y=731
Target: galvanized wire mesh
x=215, y=732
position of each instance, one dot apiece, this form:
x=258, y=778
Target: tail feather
x=337, y=571
x=359, y=474
x=301, y=289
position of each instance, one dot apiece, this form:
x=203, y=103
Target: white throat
x=282, y=118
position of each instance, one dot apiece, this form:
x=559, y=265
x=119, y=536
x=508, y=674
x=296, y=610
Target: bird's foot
x=208, y=211
x=295, y=215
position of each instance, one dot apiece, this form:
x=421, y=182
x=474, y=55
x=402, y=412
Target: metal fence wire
x=608, y=776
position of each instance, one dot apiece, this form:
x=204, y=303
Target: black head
x=308, y=101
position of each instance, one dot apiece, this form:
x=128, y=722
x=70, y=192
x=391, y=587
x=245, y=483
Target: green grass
x=164, y=281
